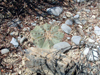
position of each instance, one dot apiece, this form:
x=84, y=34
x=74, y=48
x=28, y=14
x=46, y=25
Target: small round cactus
x=46, y=36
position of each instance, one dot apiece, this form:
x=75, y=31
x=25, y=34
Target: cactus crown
x=46, y=36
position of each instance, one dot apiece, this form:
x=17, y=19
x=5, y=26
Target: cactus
x=46, y=36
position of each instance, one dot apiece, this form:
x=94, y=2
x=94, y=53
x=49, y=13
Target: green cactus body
x=46, y=36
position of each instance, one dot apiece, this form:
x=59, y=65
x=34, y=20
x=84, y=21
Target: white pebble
x=91, y=40
x=86, y=50
x=3, y=51
x=97, y=30
x=14, y=42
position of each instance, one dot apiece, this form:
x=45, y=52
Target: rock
x=93, y=55
x=33, y=24
x=69, y=22
x=76, y=39
x=91, y=40
x=62, y=46
x=41, y=18
x=86, y=50
x=66, y=28
x=81, y=0
x=83, y=22
x=93, y=16
x=77, y=21
x=87, y=10
x=14, y=23
x=35, y=60
x=14, y=33
x=76, y=16
x=68, y=38
x=52, y=21
x=64, y=17
x=55, y=11
x=80, y=31
x=14, y=42
x=17, y=21
x=97, y=30
x=78, y=12
x=4, y=51
x=19, y=38
x=22, y=39
x=26, y=29
x=68, y=14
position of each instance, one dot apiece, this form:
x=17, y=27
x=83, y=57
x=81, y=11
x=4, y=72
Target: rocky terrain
x=67, y=44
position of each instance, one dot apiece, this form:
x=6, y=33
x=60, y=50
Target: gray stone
x=17, y=21
x=77, y=16
x=87, y=10
x=14, y=23
x=22, y=39
x=33, y=24
x=81, y=0
x=83, y=22
x=77, y=21
x=14, y=33
x=66, y=28
x=76, y=39
x=97, y=30
x=69, y=22
x=4, y=51
x=26, y=29
x=64, y=17
x=14, y=42
x=62, y=46
x=55, y=10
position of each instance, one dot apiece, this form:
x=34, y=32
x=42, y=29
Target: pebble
x=76, y=39
x=41, y=18
x=76, y=16
x=97, y=30
x=93, y=56
x=4, y=51
x=55, y=10
x=33, y=24
x=86, y=50
x=68, y=38
x=62, y=45
x=87, y=10
x=64, y=17
x=77, y=21
x=69, y=22
x=26, y=29
x=68, y=14
x=81, y=0
x=91, y=40
x=14, y=33
x=66, y=28
x=22, y=39
x=83, y=22
x=14, y=42
x=15, y=22
x=93, y=16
